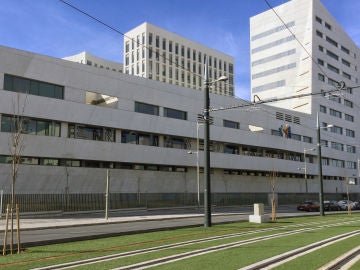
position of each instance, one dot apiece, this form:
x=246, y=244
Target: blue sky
x=52, y=28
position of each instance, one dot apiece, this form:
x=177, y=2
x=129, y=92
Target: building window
x=231, y=149
x=321, y=48
x=307, y=139
x=321, y=77
x=146, y=108
x=337, y=146
x=350, y=165
x=273, y=71
x=345, y=50
x=335, y=113
x=346, y=75
x=33, y=87
x=296, y=137
x=231, y=124
x=332, y=68
x=328, y=26
x=139, y=138
x=79, y=131
x=349, y=118
x=348, y=103
x=332, y=82
x=157, y=42
x=322, y=109
x=319, y=20
x=337, y=130
x=320, y=62
x=350, y=149
x=350, y=133
x=272, y=44
x=273, y=30
x=346, y=63
x=30, y=126
x=332, y=55
x=177, y=114
x=319, y=34
x=331, y=41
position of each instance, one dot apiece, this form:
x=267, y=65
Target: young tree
x=16, y=149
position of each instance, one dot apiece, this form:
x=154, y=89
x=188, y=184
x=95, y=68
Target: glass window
x=33, y=87
x=349, y=117
x=321, y=77
x=350, y=133
x=172, y=113
x=296, y=137
x=319, y=20
x=322, y=109
x=345, y=50
x=331, y=41
x=7, y=124
x=346, y=63
x=332, y=55
x=335, y=113
x=231, y=149
x=307, y=139
x=332, y=68
x=328, y=26
x=146, y=108
x=231, y=124
x=29, y=126
x=346, y=75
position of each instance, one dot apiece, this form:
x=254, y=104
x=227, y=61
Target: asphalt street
x=49, y=230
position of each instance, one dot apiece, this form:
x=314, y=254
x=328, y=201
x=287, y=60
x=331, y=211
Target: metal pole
x=207, y=191
x=321, y=191
x=1, y=201
x=305, y=172
x=107, y=196
x=197, y=164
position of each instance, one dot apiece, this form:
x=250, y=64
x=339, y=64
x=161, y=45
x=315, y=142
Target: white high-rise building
x=298, y=48
x=154, y=53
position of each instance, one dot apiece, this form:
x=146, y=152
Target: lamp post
x=305, y=168
x=207, y=190
x=321, y=188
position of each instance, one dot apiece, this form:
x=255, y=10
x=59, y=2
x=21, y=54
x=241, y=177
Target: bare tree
x=273, y=176
x=16, y=150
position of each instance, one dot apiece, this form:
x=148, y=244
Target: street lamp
x=305, y=168
x=207, y=191
x=321, y=188
x=197, y=162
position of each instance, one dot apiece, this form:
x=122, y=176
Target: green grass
x=233, y=258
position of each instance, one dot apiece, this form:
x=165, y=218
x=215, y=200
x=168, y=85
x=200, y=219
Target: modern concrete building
x=80, y=121
x=154, y=53
x=92, y=60
x=299, y=49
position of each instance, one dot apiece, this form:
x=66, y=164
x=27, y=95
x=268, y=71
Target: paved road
x=47, y=230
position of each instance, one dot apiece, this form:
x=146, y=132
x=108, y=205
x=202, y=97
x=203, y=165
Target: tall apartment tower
x=154, y=53
x=298, y=48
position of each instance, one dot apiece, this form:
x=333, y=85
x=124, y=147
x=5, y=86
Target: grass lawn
x=232, y=258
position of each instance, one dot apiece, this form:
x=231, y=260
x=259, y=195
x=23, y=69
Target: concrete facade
x=147, y=153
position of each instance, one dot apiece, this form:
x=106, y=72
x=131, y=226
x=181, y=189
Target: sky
x=52, y=28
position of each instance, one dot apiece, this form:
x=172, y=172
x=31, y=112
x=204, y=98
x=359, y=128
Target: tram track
x=344, y=261
x=193, y=253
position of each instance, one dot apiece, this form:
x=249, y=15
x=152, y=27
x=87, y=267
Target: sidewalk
x=88, y=219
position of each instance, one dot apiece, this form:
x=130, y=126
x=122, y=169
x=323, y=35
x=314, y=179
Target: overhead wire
x=137, y=42
x=248, y=103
